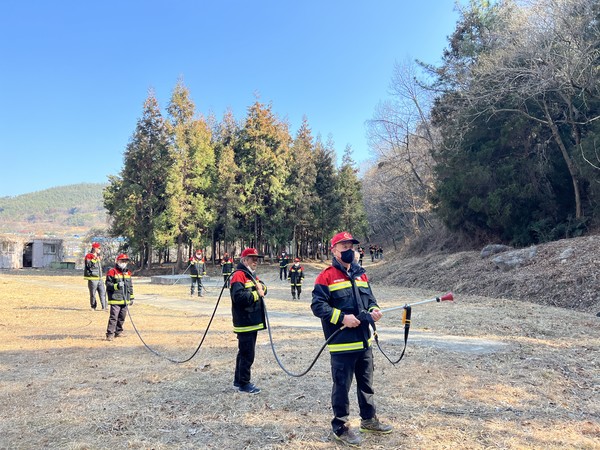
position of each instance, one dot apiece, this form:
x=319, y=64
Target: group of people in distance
x=341, y=298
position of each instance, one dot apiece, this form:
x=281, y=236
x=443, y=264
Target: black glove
x=365, y=316
x=131, y=302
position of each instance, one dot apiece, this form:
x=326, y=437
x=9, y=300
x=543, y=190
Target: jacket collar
x=354, y=271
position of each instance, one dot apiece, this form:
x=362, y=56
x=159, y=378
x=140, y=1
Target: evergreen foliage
x=189, y=184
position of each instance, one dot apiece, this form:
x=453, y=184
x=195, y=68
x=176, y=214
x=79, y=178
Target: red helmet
x=250, y=252
x=95, y=245
x=122, y=257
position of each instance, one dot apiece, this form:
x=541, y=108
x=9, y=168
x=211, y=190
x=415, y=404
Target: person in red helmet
x=120, y=294
x=296, y=276
x=248, y=314
x=226, y=268
x=92, y=272
x=197, y=271
x=342, y=297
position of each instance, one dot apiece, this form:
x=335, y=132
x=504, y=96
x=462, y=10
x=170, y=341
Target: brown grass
x=63, y=386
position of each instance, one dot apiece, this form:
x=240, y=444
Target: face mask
x=296, y=264
x=122, y=266
x=348, y=256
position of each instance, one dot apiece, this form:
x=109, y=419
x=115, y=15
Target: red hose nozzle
x=449, y=297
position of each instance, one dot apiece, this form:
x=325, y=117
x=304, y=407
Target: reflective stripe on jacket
x=197, y=267
x=247, y=309
x=92, y=267
x=227, y=267
x=296, y=275
x=118, y=296
x=337, y=293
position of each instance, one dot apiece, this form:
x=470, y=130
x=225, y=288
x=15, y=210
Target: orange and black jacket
x=92, y=267
x=247, y=308
x=296, y=275
x=337, y=293
x=118, y=296
x=227, y=266
x=197, y=267
x=283, y=261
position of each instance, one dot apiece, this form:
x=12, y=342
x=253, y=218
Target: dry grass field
x=481, y=373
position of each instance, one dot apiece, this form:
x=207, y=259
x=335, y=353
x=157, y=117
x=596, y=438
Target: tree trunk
x=568, y=161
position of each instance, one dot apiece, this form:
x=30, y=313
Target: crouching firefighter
x=341, y=298
x=120, y=294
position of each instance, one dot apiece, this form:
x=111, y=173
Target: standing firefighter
x=226, y=268
x=342, y=297
x=197, y=271
x=296, y=276
x=92, y=272
x=283, y=266
x=248, y=314
x=120, y=294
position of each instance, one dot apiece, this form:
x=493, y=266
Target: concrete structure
x=17, y=253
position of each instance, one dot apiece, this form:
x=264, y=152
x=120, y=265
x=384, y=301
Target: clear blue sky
x=74, y=74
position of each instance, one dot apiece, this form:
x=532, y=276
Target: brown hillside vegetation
x=563, y=273
x=479, y=373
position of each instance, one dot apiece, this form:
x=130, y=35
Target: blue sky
x=74, y=74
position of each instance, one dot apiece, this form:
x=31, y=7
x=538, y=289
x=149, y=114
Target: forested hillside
x=56, y=210
x=499, y=141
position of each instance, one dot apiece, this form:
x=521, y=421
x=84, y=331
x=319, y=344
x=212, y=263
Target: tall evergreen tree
x=352, y=211
x=261, y=156
x=190, y=212
x=301, y=188
x=136, y=200
x=326, y=208
x=226, y=185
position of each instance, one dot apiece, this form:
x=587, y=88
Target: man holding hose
x=342, y=297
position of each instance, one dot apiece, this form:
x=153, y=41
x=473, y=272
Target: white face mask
x=122, y=266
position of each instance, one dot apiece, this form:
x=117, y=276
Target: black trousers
x=245, y=357
x=116, y=319
x=226, y=280
x=296, y=290
x=344, y=367
x=283, y=273
x=196, y=279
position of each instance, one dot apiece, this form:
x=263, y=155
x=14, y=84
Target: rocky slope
x=563, y=273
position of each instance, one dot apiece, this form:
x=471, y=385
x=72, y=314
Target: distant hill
x=60, y=210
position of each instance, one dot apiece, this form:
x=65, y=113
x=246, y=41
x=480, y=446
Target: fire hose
x=364, y=316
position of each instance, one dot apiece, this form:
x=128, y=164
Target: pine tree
x=326, y=207
x=261, y=156
x=135, y=200
x=301, y=188
x=226, y=185
x=190, y=212
x=352, y=215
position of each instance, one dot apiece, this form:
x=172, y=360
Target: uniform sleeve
x=320, y=302
x=240, y=295
x=372, y=303
x=110, y=280
x=130, y=287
